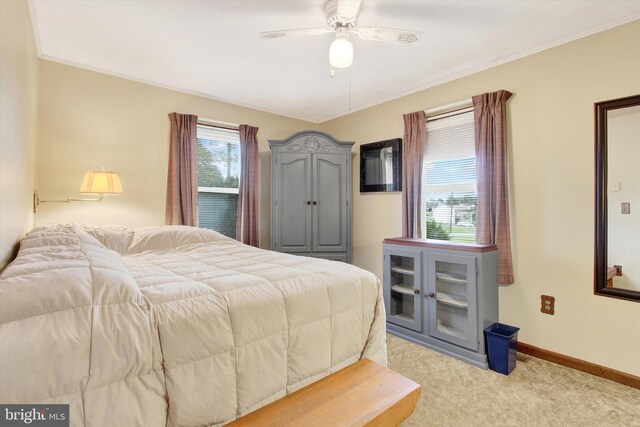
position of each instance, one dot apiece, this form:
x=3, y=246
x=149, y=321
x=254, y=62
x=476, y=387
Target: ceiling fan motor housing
x=336, y=21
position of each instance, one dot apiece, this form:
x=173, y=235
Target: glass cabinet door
x=452, y=299
x=402, y=287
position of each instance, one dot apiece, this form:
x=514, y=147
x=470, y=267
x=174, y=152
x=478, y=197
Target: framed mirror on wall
x=381, y=166
x=617, y=204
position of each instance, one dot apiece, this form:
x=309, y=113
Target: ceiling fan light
x=341, y=52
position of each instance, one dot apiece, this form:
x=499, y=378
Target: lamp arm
x=37, y=200
x=99, y=199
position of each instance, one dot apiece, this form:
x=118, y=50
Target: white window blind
x=212, y=133
x=218, y=158
x=449, y=194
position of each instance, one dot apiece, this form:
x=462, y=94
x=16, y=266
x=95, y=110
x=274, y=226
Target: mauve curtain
x=415, y=127
x=182, y=180
x=492, y=221
x=247, y=223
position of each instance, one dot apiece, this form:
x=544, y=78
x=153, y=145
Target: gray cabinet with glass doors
x=441, y=294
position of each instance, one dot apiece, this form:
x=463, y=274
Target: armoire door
x=292, y=203
x=329, y=203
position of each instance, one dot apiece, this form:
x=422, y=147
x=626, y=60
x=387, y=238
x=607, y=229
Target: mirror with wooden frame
x=617, y=226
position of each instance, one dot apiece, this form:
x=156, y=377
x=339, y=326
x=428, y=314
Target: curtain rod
x=450, y=113
x=455, y=107
x=218, y=124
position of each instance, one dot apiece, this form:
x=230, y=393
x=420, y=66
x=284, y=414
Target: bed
x=175, y=325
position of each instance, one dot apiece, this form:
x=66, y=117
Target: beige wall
x=552, y=189
x=88, y=120
x=18, y=108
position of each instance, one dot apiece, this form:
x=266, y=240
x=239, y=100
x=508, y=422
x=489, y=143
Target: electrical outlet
x=625, y=208
x=547, y=304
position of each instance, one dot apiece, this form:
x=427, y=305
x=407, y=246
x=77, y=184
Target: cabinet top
x=311, y=142
x=441, y=244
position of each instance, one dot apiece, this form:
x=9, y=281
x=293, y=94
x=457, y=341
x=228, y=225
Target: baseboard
x=580, y=365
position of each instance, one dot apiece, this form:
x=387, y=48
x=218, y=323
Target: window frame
x=219, y=190
x=432, y=115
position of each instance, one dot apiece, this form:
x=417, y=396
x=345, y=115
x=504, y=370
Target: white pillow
x=172, y=236
x=115, y=237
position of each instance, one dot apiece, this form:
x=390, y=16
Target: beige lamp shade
x=101, y=182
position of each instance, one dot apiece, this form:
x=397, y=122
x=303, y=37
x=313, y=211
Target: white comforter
x=174, y=325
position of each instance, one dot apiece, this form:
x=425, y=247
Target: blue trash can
x=502, y=347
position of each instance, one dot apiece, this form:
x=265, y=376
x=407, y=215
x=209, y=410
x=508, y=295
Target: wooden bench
x=363, y=394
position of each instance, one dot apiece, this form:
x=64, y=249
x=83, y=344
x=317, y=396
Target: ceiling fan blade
x=293, y=33
x=348, y=8
x=389, y=35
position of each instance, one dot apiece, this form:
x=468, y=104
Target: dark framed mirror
x=617, y=204
x=381, y=166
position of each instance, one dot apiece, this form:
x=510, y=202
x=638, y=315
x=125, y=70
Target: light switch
x=616, y=185
x=625, y=208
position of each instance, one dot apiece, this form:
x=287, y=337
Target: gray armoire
x=311, y=196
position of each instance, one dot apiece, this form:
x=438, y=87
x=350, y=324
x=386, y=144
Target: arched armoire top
x=312, y=142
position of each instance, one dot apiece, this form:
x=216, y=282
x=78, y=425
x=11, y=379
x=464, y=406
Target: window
x=449, y=194
x=218, y=153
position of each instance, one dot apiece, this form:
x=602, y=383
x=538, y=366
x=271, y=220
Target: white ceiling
x=211, y=48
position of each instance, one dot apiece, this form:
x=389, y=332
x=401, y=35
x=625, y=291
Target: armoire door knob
x=431, y=294
x=308, y=202
x=315, y=203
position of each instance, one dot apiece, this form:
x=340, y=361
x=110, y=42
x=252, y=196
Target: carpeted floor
x=536, y=393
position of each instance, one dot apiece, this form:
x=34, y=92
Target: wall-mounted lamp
x=95, y=182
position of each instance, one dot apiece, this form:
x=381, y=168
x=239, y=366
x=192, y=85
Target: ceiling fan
x=342, y=18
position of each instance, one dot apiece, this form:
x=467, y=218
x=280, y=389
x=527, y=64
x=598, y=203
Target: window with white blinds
x=449, y=194
x=218, y=156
